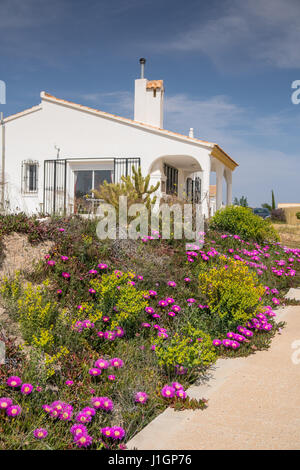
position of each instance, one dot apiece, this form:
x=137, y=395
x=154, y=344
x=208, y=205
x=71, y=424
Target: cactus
x=135, y=187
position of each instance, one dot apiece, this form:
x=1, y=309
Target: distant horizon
x=228, y=69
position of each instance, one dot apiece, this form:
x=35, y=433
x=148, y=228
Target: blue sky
x=227, y=65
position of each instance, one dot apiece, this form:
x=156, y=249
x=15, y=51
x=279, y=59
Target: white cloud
x=266, y=32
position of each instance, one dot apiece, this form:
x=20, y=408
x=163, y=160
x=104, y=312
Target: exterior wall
x=148, y=107
x=80, y=134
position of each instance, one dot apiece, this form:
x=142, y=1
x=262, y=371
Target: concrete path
x=254, y=402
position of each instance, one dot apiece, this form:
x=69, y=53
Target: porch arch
x=186, y=166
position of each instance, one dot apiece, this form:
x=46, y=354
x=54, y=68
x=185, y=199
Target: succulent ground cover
x=116, y=331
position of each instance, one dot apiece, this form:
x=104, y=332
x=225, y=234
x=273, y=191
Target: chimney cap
x=142, y=60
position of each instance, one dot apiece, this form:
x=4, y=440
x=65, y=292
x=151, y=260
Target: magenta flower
x=58, y=406
x=149, y=310
x=119, y=332
x=14, y=381
x=177, y=386
x=97, y=402
x=170, y=300
x=141, y=397
x=110, y=335
x=66, y=415
x=47, y=408
x=40, y=433
x=107, y=432
x=92, y=291
x=59, y=291
x=176, y=308
x=66, y=275
x=102, y=266
x=181, y=394
x=87, y=324
x=101, y=364
x=235, y=344
x=61, y=229
x=117, y=432
x=83, y=440
x=78, y=429
x=69, y=382
x=168, y=392
x=107, y=404
x=153, y=293
x=95, y=372
x=171, y=314
x=163, y=303
x=64, y=258
x=89, y=410
x=171, y=284
x=116, y=362
x=5, y=403
x=187, y=279
x=93, y=271
x=83, y=418
x=13, y=411
x=51, y=262
x=230, y=335
x=191, y=300
x=26, y=389
x=111, y=377
x=217, y=342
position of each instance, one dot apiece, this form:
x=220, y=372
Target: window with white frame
x=30, y=177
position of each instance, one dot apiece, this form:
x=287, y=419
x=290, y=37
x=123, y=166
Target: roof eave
x=223, y=157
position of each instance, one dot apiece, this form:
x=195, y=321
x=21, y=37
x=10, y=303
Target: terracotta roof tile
x=154, y=84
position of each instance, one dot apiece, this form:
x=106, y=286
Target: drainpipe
x=3, y=163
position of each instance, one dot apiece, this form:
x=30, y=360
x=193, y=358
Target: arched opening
x=179, y=175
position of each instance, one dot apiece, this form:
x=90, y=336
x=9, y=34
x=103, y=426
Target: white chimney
x=148, y=100
x=191, y=132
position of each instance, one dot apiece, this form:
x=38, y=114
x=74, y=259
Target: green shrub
x=241, y=221
x=233, y=293
x=190, y=348
x=129, y=302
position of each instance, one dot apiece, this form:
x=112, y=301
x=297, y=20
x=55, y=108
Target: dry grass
x=289, y=234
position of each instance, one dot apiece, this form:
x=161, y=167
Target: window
x=30, y=177
x=172, y=179
x=85, y=182
x=88, y=180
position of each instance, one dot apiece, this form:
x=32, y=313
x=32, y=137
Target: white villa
x=54, y=154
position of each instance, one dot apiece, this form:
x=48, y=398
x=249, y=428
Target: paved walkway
x=254, y=402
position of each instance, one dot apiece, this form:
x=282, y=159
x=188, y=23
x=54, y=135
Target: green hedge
x=242, y=221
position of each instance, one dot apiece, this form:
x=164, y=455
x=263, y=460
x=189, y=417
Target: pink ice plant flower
x=5, y=403
x=66, y=275
x=40, y=433
x=95, y=372
x=101, y=364
x=83, y=418
x=141, y=397
x=172, y=284
x=26, y=389
x=78, y=429
x=167, y=391
x=116, y=362
x=83, y=440
x=181, y=394
x=14, y=381
x=13, y=411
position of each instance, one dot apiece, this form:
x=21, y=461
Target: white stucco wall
x=80, y=134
